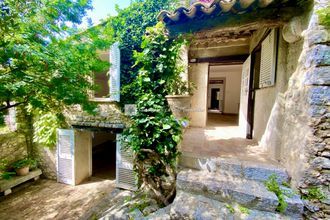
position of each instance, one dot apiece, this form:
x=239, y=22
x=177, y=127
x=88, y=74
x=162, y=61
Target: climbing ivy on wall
x=155, y=133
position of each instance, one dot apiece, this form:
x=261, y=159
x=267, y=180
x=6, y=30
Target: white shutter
x=65, y=156
x=243, y=109
x=124, y=167
x=115, y=72
x=268, y=60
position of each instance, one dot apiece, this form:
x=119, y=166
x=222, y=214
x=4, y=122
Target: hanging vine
x=155, y=133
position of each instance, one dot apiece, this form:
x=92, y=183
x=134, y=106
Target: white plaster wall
x=264, y=102
x=232, y=77
x=198, y=74
x=268, y=108
x=82, y=155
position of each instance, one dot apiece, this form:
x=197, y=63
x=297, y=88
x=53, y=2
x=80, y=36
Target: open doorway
x=104, y=155
x=224, y=86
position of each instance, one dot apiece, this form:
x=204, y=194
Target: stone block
x=318, y=55
x=321, y=163
x=318, y=76
x=262, y=172
x=319, y=95
x=229, y=167
x=161, y=214
x=249, y=193
x=316, y=36
x=325, y=154
x=191, y=206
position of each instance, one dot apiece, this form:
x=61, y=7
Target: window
x=264, y=61
x=268, y=60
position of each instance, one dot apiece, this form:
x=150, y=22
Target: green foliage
x=230, y=208
x=4, y=173
x=3, y=165
x=128, y=28
x=286, y=184
x=2, y=118
x=273, y=186
x=155, y=133
x=44, y=63
x=244, y=210
x=24, y=163
x=45, y=128
x=314, y=193
x=324, y=16
x=7, y=175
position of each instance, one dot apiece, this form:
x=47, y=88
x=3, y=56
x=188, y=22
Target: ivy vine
x=155, y=133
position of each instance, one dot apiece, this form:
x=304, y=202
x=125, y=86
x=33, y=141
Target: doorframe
x=224, y=90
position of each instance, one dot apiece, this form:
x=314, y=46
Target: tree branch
x=8, y=105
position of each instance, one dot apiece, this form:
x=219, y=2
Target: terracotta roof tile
x=216, y=8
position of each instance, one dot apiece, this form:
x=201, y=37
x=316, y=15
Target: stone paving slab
x=250, y=193
x=47, y=199
x=189, y=206
x=254, y=170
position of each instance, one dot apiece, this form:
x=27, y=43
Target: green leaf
x=166, y=126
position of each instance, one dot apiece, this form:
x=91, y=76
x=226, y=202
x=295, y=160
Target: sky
x=103, y=8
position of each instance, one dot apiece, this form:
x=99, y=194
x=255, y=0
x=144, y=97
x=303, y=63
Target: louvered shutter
x=65, y=156
x=268, y=60
x=115, y=72
x=124, y=167
x=243, y=109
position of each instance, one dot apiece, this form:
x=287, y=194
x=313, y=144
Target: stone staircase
x=226, y=188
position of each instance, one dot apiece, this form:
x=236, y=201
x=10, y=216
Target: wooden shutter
x=115, y=72
x=124, y=167
x=268, y=60
x=65, y=156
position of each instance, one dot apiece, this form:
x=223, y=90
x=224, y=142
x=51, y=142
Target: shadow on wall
x=46, y=157
x=271, y=139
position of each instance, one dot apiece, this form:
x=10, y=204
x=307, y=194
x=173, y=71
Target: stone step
x=249, y=193
x=253, y=170
x=190, y=206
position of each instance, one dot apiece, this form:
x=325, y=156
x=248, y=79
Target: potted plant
x=23, y=166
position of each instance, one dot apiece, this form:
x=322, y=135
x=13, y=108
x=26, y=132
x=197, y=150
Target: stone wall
x=12, y=146
x=305, y=144
x=46, y=157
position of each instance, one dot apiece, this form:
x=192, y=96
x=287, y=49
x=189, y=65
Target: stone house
x=261, y=107
x=262, y=73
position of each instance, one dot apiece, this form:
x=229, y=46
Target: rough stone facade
x=12, y=146
x=306, y=133
x=107, y=115
x=46, y=158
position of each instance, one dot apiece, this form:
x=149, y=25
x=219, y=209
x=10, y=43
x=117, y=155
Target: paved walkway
x=221, y=138
x=47, y=199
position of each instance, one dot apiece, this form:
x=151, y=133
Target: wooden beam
x=238, y=59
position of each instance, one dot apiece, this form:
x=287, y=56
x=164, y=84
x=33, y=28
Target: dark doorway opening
x=215, y=98
x=104, y=155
